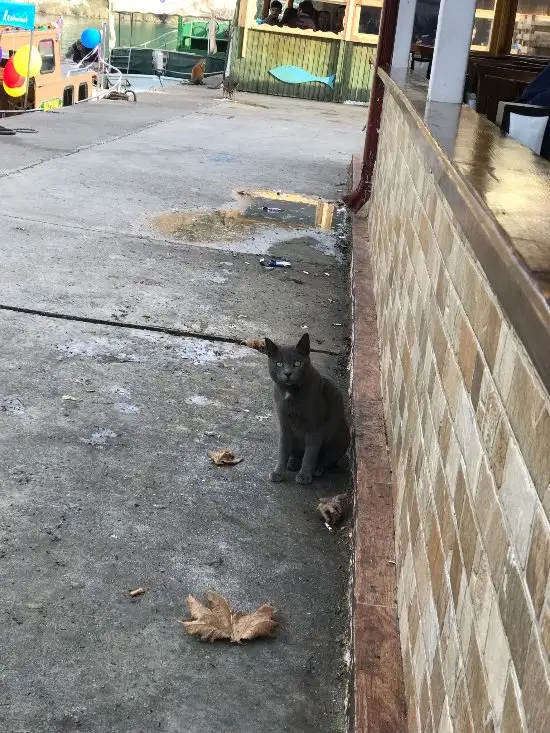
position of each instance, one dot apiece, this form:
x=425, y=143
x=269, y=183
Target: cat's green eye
x=297, y=363
x=279, y=363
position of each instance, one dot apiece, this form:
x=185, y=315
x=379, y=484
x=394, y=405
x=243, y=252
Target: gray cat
x=314, y=430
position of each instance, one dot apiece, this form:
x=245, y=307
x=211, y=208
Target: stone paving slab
x=113, y=490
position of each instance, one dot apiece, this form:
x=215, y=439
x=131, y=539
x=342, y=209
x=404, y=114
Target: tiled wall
x=469, y=428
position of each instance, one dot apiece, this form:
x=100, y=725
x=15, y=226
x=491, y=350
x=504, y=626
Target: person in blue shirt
x=538, y=91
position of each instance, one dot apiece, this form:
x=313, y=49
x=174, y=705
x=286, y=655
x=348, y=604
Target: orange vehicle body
x=58, y=84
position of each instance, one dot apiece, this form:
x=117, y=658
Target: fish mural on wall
x=295, y=75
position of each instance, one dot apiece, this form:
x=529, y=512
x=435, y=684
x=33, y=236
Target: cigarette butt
x=136, y=592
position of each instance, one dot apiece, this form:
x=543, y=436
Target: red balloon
x=11, y=78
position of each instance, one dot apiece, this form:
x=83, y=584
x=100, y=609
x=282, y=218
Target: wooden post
x=503, y=27
x=356, y=199
x=403, y=34
x=28, y=81
x=452, y=49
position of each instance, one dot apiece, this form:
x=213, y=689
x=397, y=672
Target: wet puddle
x=253, y=211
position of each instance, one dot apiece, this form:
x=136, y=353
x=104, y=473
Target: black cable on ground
x=14, y=130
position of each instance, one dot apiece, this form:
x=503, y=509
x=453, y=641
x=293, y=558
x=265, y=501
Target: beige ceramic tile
x=497, y=660
x=505, y=361
x=512, y=719
x=538, y=564
x=536, y=686
x=518, y=499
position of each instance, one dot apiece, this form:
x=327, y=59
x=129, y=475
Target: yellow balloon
x=16, y=91
x=21, y=61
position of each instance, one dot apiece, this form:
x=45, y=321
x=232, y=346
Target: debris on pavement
x=334, y=509
x=215, y=563
x=271, y=209
x=270, y=263
x=223, y=458
x=215, y=619
x=69, y=398
x=136, y=592
x=256, y=344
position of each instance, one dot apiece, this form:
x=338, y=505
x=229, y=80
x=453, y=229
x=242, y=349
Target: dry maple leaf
x=333, y=510
x=215, y=620
x=256, y=344
x=223, y=458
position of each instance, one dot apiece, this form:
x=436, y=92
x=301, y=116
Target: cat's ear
x=303, y=345
x=270, y=348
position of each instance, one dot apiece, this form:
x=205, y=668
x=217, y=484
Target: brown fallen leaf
x=215, y=620
x=256, y=344
x=335, y=508
x=223, y=458
x=137, y=592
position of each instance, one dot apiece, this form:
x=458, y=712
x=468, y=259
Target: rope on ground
x=122, y=96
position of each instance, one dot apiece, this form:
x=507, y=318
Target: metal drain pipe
x=386, y=38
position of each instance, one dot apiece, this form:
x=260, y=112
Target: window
x=483, y=25
x=46, y=50
x=68, y=96
x=82, y=92
x=327, y=16
x=481, y=34
x=425, y=22
x=369, y=20
x=531, y=35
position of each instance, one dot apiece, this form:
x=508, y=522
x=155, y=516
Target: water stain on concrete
x=99, y=437
x=201, y=401
x=252, y=211
x=102, y=349
x=204, y=352
x=127, y=409
x=122, y=391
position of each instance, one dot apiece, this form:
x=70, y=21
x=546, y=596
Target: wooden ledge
x=379, y=698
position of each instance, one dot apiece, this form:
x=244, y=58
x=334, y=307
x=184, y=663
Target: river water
x=126, y=34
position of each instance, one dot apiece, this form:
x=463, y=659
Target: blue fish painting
x=294, y=75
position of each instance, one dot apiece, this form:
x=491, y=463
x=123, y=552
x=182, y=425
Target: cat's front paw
x=294, y=464
x=277, y=476
x=303, y=477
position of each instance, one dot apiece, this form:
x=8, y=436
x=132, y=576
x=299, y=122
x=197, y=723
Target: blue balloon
x=90, y=38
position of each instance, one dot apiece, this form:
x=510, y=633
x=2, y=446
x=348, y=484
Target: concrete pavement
x=104, y=429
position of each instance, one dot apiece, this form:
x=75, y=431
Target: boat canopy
x=219, y=9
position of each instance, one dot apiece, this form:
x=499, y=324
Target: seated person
x=290, y=18
x=538, y=91
x=274, y=11
x=306, y=14
x=78, y=52
x=338, y=19
x=323, y=21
